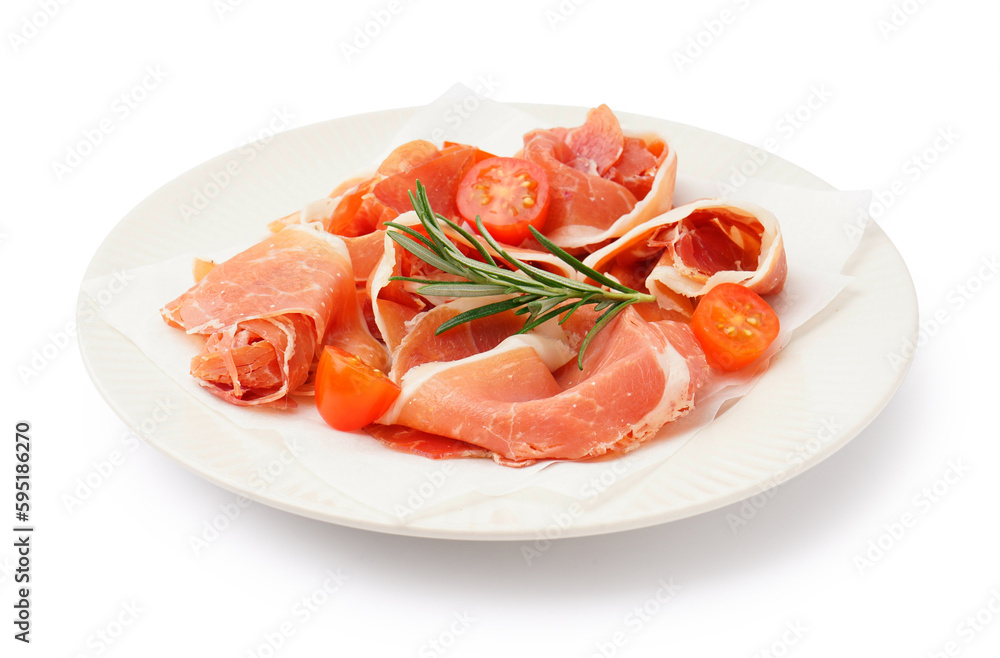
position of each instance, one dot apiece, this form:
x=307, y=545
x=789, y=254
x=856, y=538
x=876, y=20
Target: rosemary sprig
x=536, y=293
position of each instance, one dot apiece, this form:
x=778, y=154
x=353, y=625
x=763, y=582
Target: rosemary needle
x=534, y=292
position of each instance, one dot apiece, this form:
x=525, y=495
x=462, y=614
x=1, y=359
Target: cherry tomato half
x=509, y=194
x=734, y=326
x=350, y=393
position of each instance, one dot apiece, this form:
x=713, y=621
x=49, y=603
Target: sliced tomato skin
x=350, y=393
x=508, y=194
x=734, y=325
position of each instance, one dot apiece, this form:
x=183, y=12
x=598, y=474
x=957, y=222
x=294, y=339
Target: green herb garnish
x=536, y=293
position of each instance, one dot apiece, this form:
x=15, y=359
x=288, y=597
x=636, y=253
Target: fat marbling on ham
x=268, y=311
x=526, y=399
x=697, y=246
x=601, y=182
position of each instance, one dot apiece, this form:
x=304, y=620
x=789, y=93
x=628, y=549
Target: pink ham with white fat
x=525, y=399
x=268, y=311
x=694, y=247
x=602, y=182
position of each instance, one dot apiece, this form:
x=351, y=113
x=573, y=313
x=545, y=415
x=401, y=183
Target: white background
x=117, y=575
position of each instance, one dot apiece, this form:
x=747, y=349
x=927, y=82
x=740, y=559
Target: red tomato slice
x=509, y=194
x=349, y=393
x=734, y=326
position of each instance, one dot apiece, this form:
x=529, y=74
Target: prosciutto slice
x=425, y=444
x=268, y=311
x=602, y=183
x=691, y=249
x=526, y=399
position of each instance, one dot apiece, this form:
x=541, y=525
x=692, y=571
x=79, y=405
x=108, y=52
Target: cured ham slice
x=525, y=399
x=407, y=156
x=602, y=183
x=352, y=209
x=692, y=248
x=267, y=312
x=440, y=176
x=423, y=345
x=635, y=167
x=597, y=144
x=425, y=444
x=577, y=198
x=257, y=360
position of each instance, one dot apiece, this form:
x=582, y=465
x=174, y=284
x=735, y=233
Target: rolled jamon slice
x=268, y=311
x=697, y=246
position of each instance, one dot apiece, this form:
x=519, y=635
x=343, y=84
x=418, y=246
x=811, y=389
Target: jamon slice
x=602, y=183
x=365, y=207
x=268, y=311
x=526, y=399
x=440, y=176
x=267, y=355
x=598, y=143
x=425, y=444
x=352, y=209
x=635, y=168
x=576, y=197
x=344, y=198
x=694, y=247
x=423, y=345
x=407, y=156
x=356, y=216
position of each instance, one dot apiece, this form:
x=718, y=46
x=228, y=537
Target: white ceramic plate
x=830, y=382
